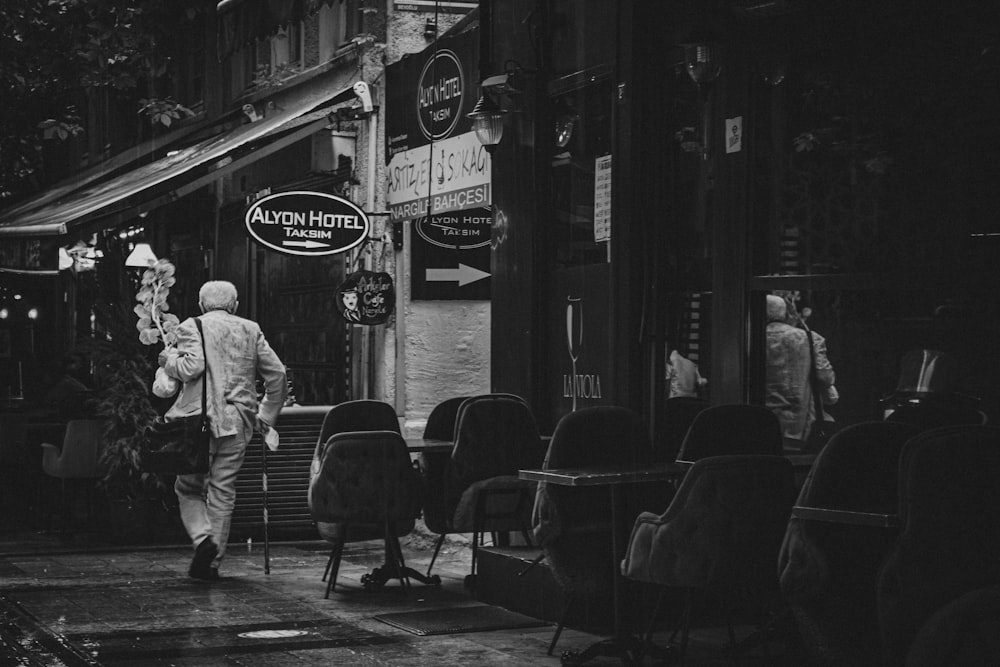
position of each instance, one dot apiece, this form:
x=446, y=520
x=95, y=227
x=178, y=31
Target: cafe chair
x=720, y=535
x=440, y=425
x=675, y=419
x=479, y=490
x=359, y=415
x=349, y=416
x=732, y=429
x=443, y=418
x=928, y=415
x=573, y=524
x=949, y=501
x=965, y=631
x=14, y=459
x=828, y=570
x=79, y=457
x=366, y=484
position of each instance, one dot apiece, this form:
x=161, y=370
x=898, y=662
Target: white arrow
x=306, y=244
x=463, y=274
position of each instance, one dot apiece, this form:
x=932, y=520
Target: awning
x=72, y=209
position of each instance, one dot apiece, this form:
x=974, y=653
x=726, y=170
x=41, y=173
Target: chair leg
x=476, y=537
x=648, y=640
x=534, y=561
x=338, y=550
x=329, y=562
x=437, y=548
x=559, y=628
x=685, y=624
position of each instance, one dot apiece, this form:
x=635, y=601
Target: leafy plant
x=123, y=368
x=155, y=323
x=163, y=111
x=264, y=78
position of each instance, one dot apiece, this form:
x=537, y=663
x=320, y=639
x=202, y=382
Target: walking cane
x=263, y=474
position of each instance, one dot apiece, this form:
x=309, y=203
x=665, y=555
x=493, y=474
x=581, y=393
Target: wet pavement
x=68, y=598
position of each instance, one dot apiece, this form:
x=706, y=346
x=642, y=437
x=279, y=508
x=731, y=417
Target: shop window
x=297, y=46
x=582, y=34
x=581, y=171
x=869, y=335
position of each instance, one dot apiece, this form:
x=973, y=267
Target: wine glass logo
x=574, y=336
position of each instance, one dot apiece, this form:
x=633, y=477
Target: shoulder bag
x=179, y=446
x=822, y=428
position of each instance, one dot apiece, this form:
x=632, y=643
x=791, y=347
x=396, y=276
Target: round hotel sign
x=307, y=223
x=460, y=229
x=440, y=92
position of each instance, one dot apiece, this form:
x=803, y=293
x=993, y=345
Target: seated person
x=68, y=397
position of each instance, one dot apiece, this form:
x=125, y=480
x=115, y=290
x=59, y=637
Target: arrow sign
x=305, y=244
x=463, y=274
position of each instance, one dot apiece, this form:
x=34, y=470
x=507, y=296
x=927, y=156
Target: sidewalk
x=70, y=599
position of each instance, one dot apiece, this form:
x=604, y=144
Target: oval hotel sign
x=440, y=92
x=307, y=223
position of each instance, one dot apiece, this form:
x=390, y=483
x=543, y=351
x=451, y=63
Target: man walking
x=236, y=352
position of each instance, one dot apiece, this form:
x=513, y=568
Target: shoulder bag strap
x=813, y=379
x=204, y=377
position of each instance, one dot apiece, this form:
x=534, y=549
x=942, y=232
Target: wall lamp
x=487, y=115
x=702, y=53
x=487, y=121
x=702, y=49
x=141, y=257
x=703, y=61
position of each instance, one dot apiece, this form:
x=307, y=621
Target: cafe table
x=624, y=644
x=380, y=575
x=421, y=445
x=850, y=517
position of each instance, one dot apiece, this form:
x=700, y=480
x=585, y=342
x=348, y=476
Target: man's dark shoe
x=201, y=564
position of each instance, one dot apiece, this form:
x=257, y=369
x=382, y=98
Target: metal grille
x=288, y=479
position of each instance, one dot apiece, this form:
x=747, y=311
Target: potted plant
x=138, y=501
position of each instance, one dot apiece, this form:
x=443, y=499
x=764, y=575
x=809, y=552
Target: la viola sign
x=307, y=223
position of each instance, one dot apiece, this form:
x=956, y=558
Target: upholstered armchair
x=673, y=422
x=720, y=534
x=732, y=429
x=479, y=490
x=949, y=501
x=78, y=459
x=366, y=481
x=828, y=570
x=359, y=415
x=441, y=423
x=966, y=631
x=573, y=524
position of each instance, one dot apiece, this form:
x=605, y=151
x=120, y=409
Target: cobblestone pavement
x=70, y=602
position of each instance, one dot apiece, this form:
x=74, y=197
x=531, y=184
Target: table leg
x=624, y=644
x=395, y=568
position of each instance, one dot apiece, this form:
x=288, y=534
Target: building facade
x=665, y=165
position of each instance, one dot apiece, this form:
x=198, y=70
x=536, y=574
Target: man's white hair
x=218, y=295
x=777, y=309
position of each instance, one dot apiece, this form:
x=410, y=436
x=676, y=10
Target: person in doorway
x=236, y=352
x=683, y=375
x=789, y=363
x=67, y=396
